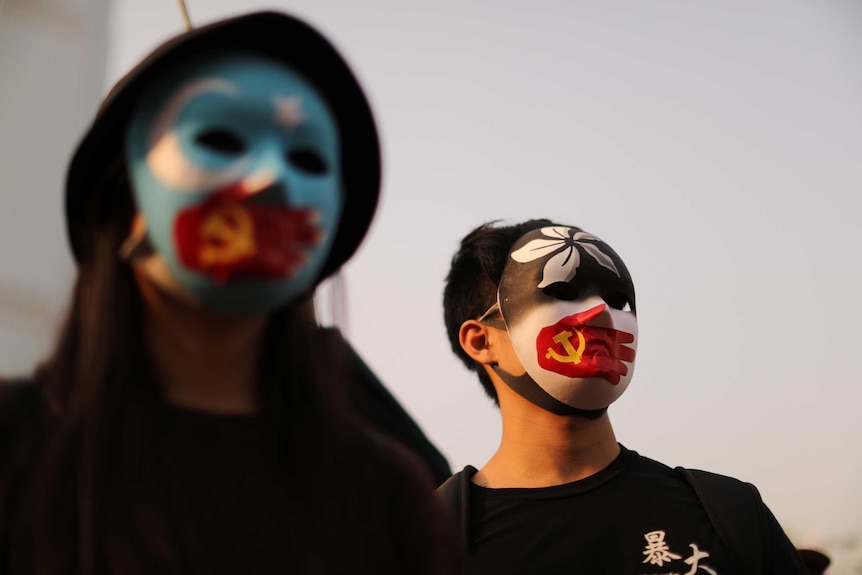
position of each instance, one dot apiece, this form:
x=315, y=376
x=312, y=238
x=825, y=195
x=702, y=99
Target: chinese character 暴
x=657, y=551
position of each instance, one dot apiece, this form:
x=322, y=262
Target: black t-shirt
x=212, y=502
x=635, y=517
x=205, y=497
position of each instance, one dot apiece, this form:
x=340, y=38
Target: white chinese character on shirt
x=657, y=551
x=694, y=560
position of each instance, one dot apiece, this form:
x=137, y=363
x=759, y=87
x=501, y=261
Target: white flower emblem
x=562, y=245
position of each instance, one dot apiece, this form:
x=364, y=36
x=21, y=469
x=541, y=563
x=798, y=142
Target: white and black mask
x=568, y=303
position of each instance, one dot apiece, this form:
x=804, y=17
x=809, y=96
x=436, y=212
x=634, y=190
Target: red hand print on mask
x=574, y=349
x=228, y=238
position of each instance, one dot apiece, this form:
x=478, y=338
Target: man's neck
x=541, y=449
x=203, y=360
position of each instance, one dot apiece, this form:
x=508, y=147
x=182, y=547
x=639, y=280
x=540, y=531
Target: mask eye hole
x=563, y=291
x=308, y=161
x=618, y=301
x=221, y=141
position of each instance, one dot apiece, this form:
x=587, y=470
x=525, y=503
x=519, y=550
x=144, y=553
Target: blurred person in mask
x=192, y=419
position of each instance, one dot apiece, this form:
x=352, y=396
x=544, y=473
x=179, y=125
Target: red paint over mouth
x=228, y=239
x=572, y=348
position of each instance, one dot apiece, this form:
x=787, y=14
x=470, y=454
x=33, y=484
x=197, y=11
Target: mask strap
x=493, y=317
x=526, y=387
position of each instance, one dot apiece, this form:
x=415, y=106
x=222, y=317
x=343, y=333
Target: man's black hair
x=471, y=286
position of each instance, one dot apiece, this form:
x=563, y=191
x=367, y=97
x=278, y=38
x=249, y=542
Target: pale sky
x=717, y=146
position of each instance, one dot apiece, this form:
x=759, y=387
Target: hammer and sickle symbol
x=227, y=234
x=572, y=355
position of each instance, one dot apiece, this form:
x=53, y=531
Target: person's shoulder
x=395, y=458
x=716, y=491
x=454, y=492
x=408, y=481
x=654, y=467
x=645, y=466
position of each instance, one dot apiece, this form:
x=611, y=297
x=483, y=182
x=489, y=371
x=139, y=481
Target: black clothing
x=203, y=498
x=215, y=483
x=368, y=395
x=815, y=561
x=206, y=497
x=382, y=410
x=636, y=516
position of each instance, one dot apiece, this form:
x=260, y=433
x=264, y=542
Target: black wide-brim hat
x=277, y=36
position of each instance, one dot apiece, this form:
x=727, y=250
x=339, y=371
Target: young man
x=545, y=315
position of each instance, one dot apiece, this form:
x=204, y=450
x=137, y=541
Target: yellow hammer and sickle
x=572, y=355
x=228, y=235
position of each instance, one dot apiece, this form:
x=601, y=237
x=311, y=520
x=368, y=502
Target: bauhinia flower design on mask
x=562, y=245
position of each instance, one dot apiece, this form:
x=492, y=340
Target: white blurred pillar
x=52, y=69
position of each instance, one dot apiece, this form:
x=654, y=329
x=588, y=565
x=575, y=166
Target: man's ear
x=476, y=342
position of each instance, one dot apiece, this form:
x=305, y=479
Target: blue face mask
x=234, y=165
